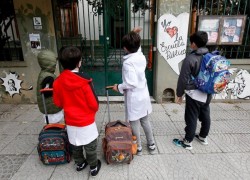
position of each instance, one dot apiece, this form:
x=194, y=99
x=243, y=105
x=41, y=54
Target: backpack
x=53, y=147
x=213, y=75
x=117, y=143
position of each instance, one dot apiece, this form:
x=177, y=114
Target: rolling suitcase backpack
x=117, y=143
x=53, y=146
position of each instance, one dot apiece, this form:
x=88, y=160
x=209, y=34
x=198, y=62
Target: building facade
x=97, y=27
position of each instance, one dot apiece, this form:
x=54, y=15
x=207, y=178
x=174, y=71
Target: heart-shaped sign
x=172, y=38
x=172, y=31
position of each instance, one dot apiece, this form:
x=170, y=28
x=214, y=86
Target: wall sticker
x=12, y=84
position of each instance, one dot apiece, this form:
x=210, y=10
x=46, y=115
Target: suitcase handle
x=115, y=123
x=107, y=91
x=109, y=87
x=46, y=90
x=42, y=91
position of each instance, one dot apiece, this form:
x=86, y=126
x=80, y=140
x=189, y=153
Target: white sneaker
x=139, y=152
x=152, y=149
x=201, y=139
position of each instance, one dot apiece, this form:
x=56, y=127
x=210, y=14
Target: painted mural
x=11, y=83
x=238, y=87
x=172, y=38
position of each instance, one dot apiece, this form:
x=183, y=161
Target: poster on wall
x=35, y=41
x=232, y=30
x=172, y=38
x=211, y=25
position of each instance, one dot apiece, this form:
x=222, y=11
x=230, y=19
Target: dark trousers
x=197, y=110
x=90, y=150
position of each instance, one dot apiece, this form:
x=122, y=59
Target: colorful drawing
x=232, y=29
x=210, y=24
x=237, y=88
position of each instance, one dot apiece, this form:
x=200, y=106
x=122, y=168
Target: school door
x=97, y=28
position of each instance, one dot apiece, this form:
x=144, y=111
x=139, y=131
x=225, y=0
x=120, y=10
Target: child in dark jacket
x=197, y=102
x=73, y=91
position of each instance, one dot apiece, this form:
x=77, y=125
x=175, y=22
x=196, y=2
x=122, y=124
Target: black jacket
x=190, y=67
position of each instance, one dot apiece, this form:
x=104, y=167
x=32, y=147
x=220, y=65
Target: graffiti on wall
x=238, y=87
x=172, y=38
x=12, y=84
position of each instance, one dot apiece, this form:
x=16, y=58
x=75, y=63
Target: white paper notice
x=35, y=41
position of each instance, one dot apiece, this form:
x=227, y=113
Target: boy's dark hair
x=200, y=38
x=60, y=52
x=70, y=57
x=131, y=42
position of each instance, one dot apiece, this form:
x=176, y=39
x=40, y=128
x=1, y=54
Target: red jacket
x=75, y=95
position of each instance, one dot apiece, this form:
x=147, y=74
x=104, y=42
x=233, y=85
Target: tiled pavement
x=226, y=157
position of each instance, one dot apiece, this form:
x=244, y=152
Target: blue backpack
x=213, y=75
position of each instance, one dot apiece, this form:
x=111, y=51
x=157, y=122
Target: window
x=10, y=45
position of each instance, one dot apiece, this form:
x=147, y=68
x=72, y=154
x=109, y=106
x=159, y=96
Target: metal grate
x=10, y=45
x=97, y=28
x=225, y=7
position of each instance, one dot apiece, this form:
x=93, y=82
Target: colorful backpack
x=213, y=75
x=53, y=147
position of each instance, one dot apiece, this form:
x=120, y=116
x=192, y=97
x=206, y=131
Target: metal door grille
x=225, y=7
x=97, y=28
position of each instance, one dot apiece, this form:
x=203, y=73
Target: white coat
x=134, y=86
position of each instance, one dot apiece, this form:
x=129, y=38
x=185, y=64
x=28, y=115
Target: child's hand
x=137, y=29
x=179, y=100
x=115, y=88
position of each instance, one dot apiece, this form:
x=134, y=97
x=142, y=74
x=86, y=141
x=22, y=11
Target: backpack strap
x=216, y=52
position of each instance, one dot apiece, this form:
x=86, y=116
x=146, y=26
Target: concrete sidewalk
x=226, y=157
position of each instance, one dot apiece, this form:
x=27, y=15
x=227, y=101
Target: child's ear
x=79, y=64
x=193, y=46
x=125, y=49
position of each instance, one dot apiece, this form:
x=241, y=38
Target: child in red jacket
x=73, y=91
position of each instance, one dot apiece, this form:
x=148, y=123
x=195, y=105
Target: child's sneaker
x=201, y=139
x=139, y=152
x=95, y=169
x=185, y=144
x=81, y=166
x=152, y=149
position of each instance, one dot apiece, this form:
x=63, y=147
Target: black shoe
x=95, y=169
x=81, y=166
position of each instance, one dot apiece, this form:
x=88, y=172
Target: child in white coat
x=135, y=90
